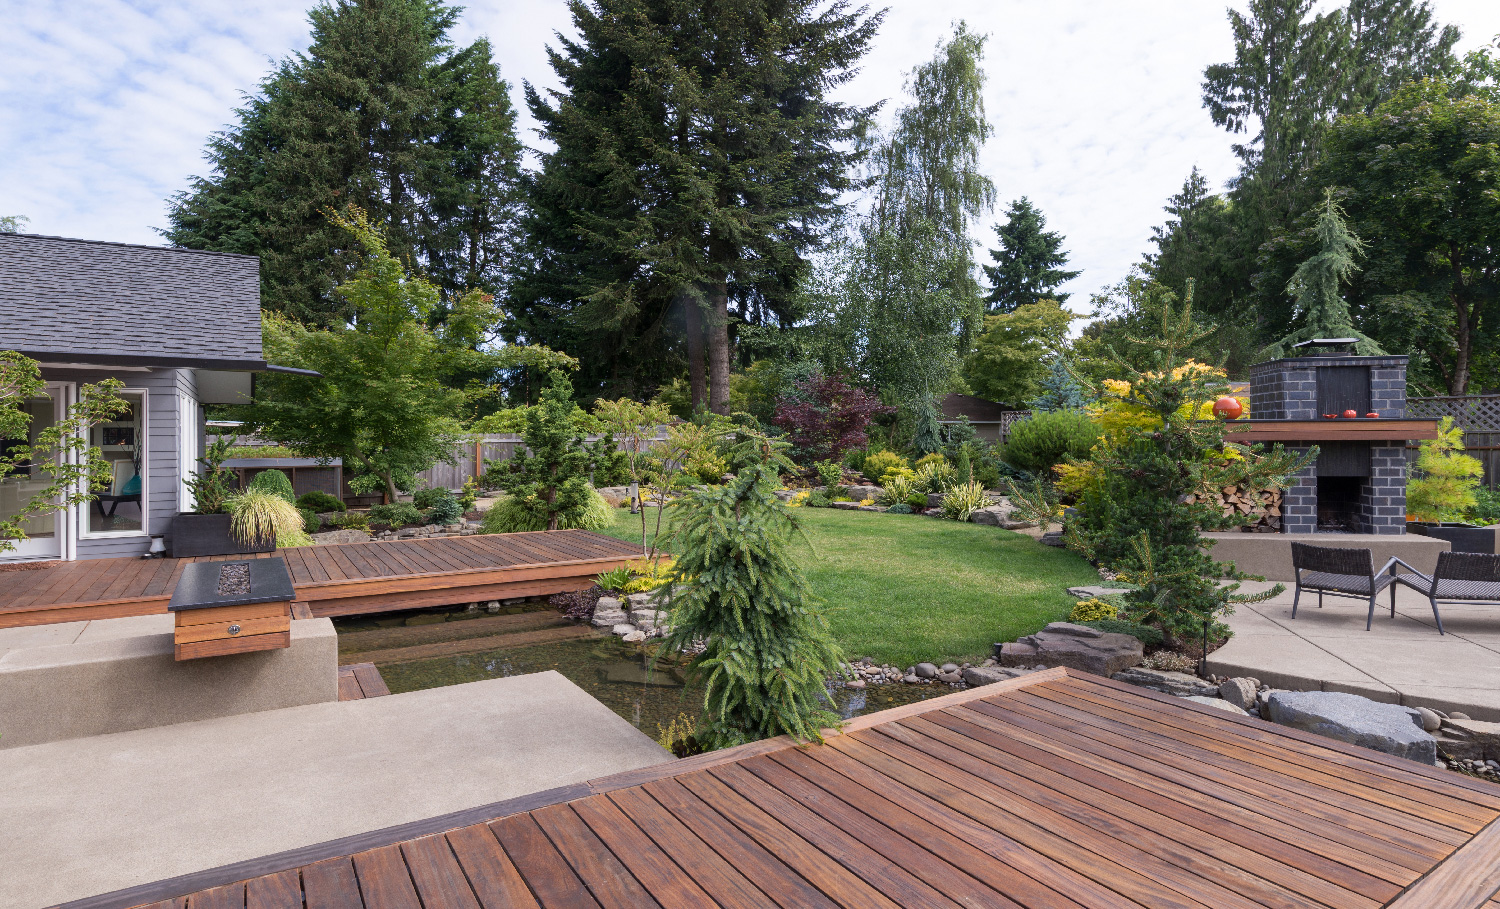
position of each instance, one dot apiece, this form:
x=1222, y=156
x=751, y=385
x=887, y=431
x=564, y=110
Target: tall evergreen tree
x=1316, y=285
x=381, y=111
x=697, y=156
x=1029, y=263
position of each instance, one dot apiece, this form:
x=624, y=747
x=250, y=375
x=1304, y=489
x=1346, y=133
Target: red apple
x=1349, y=414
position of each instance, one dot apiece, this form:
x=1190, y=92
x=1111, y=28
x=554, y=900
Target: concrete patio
x=1401, y=660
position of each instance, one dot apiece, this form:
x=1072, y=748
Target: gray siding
x=163, y=388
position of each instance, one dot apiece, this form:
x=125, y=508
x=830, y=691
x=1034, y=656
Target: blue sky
x=105, y=104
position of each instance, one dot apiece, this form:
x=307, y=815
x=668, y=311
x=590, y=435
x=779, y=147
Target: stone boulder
x=609, y=618
x=348, y=535
x=1239, y=692
x=1177, y=684
x=1074, y=647
x=993, y=516
x=1485, y=736
x=1088, y=593
x=860, y=493
x=1218, y=703
x=975, y=676
x=1359, y=721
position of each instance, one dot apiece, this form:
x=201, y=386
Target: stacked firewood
x=1263, y=506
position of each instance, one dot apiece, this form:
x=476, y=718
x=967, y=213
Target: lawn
x=903, y=589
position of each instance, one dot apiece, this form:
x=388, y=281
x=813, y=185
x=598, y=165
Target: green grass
x=903, y=589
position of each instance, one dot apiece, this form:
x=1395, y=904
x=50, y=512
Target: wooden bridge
x=347, y=579
x=1053, y=791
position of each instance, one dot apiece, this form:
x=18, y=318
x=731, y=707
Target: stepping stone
x=1177, y=684
x=1085, y=593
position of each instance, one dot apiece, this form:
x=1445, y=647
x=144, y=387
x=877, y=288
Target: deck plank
x=607, y=878
x=438, y=877
x=384, y=881
x=331, y=884
x=282, y=890
x=548, y=875
x=493, y=876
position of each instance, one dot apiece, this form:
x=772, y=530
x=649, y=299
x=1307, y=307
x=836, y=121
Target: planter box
x=207, y=534
x=213, y=621
x=1462, y=537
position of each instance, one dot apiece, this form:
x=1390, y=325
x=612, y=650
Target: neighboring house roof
x=64, y=300
x=978, y=410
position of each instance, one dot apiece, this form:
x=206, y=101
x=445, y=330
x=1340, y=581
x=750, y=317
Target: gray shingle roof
x=83, y=298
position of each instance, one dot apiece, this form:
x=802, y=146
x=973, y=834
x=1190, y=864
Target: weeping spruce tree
x=1315, y=284
x=768, y=646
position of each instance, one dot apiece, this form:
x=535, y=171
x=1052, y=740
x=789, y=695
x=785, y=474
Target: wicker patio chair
x=1460, y=577
x=1339, y=573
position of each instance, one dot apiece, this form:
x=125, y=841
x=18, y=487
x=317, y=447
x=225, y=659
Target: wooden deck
x=346, y=579
x=358, y=681
x=1054, y=791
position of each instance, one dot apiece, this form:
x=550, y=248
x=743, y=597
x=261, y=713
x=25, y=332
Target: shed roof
x=1054, y=790
x=66, y=300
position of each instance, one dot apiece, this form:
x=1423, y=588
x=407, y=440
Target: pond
x=648, y=693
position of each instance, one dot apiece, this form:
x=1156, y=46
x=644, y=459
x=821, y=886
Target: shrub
x=1487, y=507
x=275, y=482
x=899, y=508
x=548, y=475
x=708, y=469
x=899, y=488
x=1443, y=479
x=799, y=499
x=510, y=515
x=398, y=514
x=986, y=474
x=614, y=579
x=1041, y=442
x=445, y=510
x=468, y=495
x=311, y=523
x=1035, y=501
x=1092, y=610
x=935, y=457
x=649, y=576
x=258, y=516
x=855, y=458
x=426, y=498
x=830, y=473
x=824, y=416
x=881, y=463
x=917, y=501
x=963, y=499
x=317, y=500
x=764, y=648
x=348, y=520
x=866, y=503
x=818, y=500
x=935, y=476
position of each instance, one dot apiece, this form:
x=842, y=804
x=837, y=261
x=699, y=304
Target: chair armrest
x=1394, y=560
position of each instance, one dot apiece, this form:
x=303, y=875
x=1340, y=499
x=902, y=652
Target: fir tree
x=383, y=112
x=1060, y=391
x=1315, y=285
x=697, y=157
x=549, y=477
x=767, y=647
x=1029, y=263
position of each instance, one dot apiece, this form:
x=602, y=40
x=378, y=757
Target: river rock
x=1177, y=684
x=1239, y=692
x=622, y=629
x=1220, y=703
x=926, y=671
x=635, y=637
x=1359, y=721
x=1075, y=647
x=1430, y=721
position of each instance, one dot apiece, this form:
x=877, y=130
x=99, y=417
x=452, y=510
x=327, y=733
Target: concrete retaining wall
x=1269, y=555
x=82, y=679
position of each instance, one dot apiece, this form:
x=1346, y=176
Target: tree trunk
x=693, y=316
x=718, y=349
x=1463, y=323
x=390, y=488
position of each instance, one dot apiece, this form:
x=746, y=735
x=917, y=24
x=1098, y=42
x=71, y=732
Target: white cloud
x=105, y=104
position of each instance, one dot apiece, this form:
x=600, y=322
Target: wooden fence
x=469, y=457
x=1479, y=415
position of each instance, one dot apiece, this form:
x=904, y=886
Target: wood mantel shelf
x=1356, y=429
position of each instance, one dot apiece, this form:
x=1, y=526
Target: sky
x=105, y=105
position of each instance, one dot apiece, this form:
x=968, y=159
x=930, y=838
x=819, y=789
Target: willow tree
x=1320, y=306
x=919, y=257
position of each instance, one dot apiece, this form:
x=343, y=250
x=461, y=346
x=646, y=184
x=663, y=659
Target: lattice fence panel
x=1479, y=415
x=1010, y=418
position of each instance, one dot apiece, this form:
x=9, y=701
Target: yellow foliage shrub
x=1092, y=610
x=1116, y=417
x=881, y=463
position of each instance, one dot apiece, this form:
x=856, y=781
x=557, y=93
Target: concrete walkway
x=92, y=815
x=1399, y=661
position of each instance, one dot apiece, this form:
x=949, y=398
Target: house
x=988, y=418
x=179, y=328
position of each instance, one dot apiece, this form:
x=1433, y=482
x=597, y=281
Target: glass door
x=25, y=479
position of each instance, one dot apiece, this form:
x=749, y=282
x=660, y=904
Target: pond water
x=649, y=693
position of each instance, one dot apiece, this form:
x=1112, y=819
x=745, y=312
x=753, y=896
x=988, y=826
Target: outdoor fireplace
x=1354, y=409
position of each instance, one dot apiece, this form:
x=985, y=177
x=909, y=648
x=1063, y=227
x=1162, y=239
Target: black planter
x=1462, y=537
x=207, y=534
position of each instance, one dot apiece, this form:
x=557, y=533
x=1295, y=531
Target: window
x=119, y=505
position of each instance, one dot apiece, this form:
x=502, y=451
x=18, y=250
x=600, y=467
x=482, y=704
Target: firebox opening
x=1339, y=504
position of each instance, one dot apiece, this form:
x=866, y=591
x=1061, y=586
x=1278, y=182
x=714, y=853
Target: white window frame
x=83, y=514
x=189, y=448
